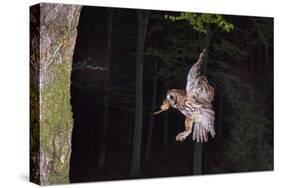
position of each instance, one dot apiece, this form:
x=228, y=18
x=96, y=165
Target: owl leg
x=188, y=128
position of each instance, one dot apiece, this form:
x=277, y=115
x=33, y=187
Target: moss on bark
x=51, y=125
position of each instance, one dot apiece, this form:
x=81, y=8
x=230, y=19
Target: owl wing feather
x=197, y=84
x=198, y=88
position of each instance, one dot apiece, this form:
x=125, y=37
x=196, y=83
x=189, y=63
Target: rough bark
x=143, y=17
x=34, y=94
x=56, y=35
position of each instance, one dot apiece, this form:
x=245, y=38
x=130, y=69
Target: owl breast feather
x=202, y=117
x=188, y=111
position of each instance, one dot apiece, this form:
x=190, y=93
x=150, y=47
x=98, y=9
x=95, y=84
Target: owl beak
x=164, y=107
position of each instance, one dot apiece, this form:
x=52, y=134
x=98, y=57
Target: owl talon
x=182, y=136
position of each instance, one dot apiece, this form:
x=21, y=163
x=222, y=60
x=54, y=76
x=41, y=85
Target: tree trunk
x=165, y=130
x=52, y=45
x=130, y=130
x=266, y=54
x=220, y=114
x=151, y=121
x=143, y=17
x=252, y=66
x=198, y=147
x=260, y=59
x=102, y=152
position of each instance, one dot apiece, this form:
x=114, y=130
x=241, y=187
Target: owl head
x=172, y=97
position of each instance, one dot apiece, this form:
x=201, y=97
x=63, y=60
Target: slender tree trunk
x=102, y=151
x=266, y=54
x=56, y=36
x=165, y=130
x=143, y=17
x=220, y=114
x=197, y=158
x=260, y=59
x=130, y=131
x=151, y=121
x=198, y=147
x=252, y=69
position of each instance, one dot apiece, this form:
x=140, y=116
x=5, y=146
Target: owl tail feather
x=200, y=135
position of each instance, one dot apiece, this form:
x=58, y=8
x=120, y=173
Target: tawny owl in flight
x=195, y=103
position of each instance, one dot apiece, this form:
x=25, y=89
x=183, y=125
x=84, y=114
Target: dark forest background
x=124, y=62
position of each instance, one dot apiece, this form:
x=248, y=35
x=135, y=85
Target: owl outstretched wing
x=198, y=88
x=197, y=85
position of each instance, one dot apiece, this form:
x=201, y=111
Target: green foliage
x=247, y=147
x=198, y=21
x=230, y=49
x=247, y=123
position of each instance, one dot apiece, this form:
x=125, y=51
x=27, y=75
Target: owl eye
x=171, y=97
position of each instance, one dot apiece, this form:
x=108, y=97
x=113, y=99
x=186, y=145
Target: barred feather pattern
x=196, y=102
x=198, y=87
x=197, y=84
x=205, y=126
x=203, y=115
